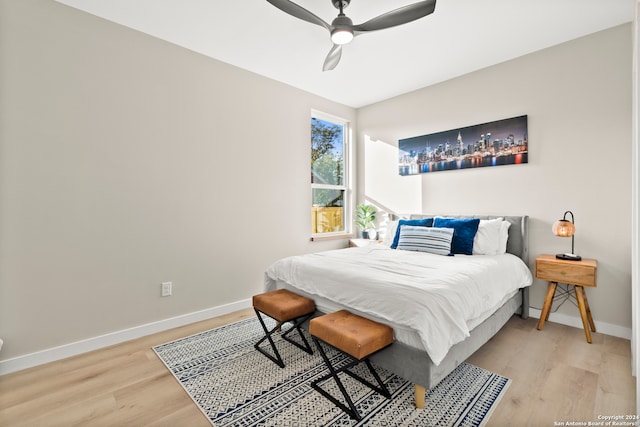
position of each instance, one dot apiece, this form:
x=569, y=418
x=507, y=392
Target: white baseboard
x=576, y=322
x=52, y=354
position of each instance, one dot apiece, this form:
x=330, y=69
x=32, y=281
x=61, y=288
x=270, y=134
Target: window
x=329, y=175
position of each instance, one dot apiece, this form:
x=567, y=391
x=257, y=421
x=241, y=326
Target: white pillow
x=504, y=236
x=491, y=238
x=425, y=239
x=390, y=233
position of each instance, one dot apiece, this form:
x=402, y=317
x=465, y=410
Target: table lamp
x=565, y=228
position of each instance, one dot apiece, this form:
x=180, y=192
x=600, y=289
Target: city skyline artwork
x=497, y=143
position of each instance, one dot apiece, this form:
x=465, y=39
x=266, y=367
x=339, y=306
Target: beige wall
x=126, y=161
x=578, y=100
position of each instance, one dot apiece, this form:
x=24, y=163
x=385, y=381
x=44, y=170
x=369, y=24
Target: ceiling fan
x=342, y=29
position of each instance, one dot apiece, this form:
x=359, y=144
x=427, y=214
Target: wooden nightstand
x=577, y=273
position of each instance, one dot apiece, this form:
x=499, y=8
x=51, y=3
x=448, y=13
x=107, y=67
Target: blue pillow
x=464, y=230
x=424, y=222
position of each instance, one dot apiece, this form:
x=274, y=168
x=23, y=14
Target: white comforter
x=441, y=297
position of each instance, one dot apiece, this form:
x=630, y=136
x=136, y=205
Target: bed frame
x=415, y=364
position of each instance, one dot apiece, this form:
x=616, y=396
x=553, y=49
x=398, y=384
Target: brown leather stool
x=359, y=338
x=283, y=306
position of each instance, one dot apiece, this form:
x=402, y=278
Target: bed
x=442, y=308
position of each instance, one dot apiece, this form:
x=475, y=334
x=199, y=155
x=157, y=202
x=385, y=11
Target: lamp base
x=569, y=257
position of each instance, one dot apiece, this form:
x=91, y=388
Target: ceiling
x=461, y=36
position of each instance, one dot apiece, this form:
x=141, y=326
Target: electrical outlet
x=166, y=289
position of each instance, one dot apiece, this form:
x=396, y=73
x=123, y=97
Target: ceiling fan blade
x=332, y=58
x=299, y=12
x=398, y=16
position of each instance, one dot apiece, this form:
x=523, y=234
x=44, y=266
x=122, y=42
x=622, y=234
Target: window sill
x=332, y=237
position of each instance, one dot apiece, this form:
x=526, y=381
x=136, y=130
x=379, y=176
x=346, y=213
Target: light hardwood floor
x=556, y=377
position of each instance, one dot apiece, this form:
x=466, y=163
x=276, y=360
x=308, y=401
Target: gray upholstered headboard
x=518, y=243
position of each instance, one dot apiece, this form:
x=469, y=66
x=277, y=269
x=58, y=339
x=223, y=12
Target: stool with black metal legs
x=357, y=337
x=283, y=306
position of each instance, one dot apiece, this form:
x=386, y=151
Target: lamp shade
x=563, y=228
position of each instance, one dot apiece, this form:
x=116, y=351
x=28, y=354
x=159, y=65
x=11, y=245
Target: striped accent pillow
x=425, y=239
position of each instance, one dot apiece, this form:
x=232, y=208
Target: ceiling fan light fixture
x=342, y=30
x=341, y=35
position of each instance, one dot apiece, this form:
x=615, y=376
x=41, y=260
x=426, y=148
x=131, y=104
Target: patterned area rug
x=234, y=385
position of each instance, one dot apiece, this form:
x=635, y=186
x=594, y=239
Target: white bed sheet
x=442, y=298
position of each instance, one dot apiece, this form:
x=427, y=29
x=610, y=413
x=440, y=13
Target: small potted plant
x=365, y=215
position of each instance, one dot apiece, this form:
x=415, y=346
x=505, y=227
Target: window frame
x=347, y=181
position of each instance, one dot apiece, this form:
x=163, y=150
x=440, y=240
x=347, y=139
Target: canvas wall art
x=502, y=142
